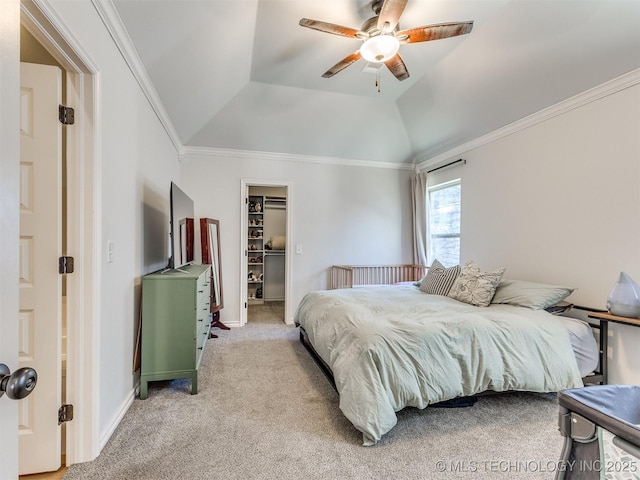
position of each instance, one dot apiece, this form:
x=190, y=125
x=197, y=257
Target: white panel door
x=40, y=319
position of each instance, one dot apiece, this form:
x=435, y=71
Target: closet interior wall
x=275, y=220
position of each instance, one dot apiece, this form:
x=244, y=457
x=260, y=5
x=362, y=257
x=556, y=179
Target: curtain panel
x=420, y=218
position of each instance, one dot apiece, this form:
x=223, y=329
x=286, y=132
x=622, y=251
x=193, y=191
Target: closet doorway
x=265, y=252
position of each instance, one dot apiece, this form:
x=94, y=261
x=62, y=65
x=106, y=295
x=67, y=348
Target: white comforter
x=390, y=347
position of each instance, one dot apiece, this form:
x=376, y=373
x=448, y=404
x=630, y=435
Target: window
x=444, y=223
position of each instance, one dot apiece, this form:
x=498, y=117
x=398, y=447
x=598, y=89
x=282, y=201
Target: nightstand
x=604, y=318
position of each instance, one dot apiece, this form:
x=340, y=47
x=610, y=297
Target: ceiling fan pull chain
x=378, y=80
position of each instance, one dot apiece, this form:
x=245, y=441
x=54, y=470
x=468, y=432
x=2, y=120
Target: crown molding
x=608, y=88
x=111, y=19
x=223, y=153
x=44, y=23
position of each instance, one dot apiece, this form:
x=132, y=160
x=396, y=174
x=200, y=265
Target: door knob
x=18, y=384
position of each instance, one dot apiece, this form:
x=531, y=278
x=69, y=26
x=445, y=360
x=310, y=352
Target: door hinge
x=65, y=413
x=66, y=115
x=245, y=304
x=65, y=265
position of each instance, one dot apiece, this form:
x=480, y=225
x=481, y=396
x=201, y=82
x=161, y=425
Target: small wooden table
x=615, y=318
x=604, y=318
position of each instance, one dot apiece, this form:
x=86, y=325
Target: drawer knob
x=199, y=348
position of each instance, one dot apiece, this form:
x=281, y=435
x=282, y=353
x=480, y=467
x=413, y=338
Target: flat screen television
x=182, y=228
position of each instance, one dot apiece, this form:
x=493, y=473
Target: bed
x=391, y=347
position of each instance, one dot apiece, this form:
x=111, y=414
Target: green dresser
x=175, y=324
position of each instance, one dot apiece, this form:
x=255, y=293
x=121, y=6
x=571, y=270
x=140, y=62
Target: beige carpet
x=265, y=411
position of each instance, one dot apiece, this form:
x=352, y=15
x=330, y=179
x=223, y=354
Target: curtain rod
x=464, y=162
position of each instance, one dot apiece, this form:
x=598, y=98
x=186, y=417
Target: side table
x=604, y=318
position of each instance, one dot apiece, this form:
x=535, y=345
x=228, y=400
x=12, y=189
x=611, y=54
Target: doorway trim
x=244, y=234
x=83, y=226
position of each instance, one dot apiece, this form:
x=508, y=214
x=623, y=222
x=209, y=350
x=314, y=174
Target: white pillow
x=530, y=294
x=474, y=286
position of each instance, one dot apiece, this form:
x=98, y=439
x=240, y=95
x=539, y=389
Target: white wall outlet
x=109, y=251
x=298, y=249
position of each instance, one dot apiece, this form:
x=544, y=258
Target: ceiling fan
x=382, y=37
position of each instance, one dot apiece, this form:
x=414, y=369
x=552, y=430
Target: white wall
x=137, y=162
x=559, y=202
x=340, y=214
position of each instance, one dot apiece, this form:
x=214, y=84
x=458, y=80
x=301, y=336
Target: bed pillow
x=439, y=279
x=474, y=286
x=536, y=296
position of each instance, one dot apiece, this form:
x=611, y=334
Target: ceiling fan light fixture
x=381, y=37
x=380, y=48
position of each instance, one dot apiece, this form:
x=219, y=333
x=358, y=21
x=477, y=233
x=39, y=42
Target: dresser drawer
x=202, y=336
x=202, y=310
x=203, y=321
x=203, y=284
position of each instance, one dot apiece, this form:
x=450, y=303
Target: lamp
x=624, y=299
x=380, y=48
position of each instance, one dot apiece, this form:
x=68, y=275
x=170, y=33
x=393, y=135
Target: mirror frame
x=212, y=256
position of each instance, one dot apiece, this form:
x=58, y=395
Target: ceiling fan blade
x=396, y=66
x=390, y=14
x=329, y=28
x=342, y=64
x=434, y=32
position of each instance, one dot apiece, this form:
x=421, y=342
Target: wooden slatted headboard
x=349, y=276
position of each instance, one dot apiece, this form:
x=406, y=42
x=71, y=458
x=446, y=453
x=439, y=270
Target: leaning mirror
x=210, y=242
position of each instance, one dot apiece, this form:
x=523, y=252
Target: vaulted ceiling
x=242, y=74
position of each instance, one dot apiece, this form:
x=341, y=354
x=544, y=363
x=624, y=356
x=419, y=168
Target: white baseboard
x=117, y=418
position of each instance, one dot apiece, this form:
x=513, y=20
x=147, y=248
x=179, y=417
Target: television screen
x=182, y=228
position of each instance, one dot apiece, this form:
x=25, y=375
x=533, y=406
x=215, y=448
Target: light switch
x=109, y=251
x=298, y=249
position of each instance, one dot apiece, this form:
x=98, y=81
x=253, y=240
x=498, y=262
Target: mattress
x=583, y=343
